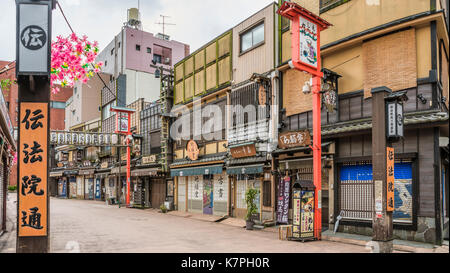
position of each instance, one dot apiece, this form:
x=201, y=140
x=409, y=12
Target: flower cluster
x=73, y=59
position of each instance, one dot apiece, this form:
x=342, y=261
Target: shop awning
x=145, y=172
x=119, y=170
x=87, y=172
x=56, y=174
x=72, y=172
x=214, y=169
x=251, y=169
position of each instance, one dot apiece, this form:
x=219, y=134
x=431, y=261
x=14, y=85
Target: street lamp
x=306, y=28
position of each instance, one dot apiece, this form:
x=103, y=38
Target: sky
x=197, y=21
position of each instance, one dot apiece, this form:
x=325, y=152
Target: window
x=252, y=37
x=163, y=54
x=75, y=90
x=106, y=63
x=112, y=51
x=149, y=50
x=57, y=105
x=157, y=58
x=106, y=111
x=138, y=47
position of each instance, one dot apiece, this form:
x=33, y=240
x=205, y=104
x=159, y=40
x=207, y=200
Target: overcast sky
x=197, y=21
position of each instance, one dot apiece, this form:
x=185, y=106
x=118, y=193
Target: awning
x=252, y=169
x=214, y=169
x=56, y=174
x=145, y=172
x=87, y=172
x=72, y=172
x=116, y=170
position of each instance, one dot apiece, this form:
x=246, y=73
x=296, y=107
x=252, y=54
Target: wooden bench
x=281, y=232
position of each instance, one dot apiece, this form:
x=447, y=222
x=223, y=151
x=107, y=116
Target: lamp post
x=306, y=28
x=123, y=126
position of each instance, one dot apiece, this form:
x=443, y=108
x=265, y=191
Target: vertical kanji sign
x=33, y=148
x=390, y=179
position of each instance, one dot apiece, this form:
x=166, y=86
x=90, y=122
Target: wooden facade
x=204, y=71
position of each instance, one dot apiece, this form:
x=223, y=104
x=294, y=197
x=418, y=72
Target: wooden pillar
x=382, y=219
x=32, y=90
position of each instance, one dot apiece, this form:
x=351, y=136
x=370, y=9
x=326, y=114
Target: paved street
x=90, y=226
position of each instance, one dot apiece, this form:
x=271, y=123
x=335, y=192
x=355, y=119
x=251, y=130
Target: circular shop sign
x=33, y=37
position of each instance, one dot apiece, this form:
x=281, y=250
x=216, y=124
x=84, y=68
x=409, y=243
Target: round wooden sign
x=192, y=150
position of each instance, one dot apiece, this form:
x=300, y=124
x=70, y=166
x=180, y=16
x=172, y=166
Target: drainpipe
x=275, y=118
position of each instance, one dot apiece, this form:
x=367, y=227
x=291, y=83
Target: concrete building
x=57, y=104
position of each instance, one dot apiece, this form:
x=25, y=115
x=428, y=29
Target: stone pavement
x=93, y=227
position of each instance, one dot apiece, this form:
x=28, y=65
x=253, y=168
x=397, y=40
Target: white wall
x=142, y=85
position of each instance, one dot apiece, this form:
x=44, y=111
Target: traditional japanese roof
x=298, y=149
x=366, y=124
x=246, y=160
x=206, y=160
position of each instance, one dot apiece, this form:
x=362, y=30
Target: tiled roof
x=181, y=162
x=366, y=124
x=247, y=160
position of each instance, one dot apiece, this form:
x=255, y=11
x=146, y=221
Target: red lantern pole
x=119, y=112
x=128, y=160
x=317, y=157
x=294, y=12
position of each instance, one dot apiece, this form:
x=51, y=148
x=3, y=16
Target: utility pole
x=33, y=47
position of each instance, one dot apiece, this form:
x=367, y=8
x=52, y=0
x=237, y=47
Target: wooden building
x=251, y=115
x=402, y=45
x=202, y=81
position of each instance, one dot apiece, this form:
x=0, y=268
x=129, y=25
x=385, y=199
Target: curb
x=397, y=247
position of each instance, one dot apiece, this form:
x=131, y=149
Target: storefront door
x=208, y=198
x=181, y=193
x=158, y=192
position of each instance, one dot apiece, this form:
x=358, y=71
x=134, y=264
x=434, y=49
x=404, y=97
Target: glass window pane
x=258, y=34
x=246, y=41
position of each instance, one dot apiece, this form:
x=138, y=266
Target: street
x=93, y=227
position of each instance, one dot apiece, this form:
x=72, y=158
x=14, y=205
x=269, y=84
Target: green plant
x=12, y=188
x=250, y=197
x=163, y=208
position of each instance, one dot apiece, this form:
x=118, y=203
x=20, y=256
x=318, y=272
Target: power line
x=73, y=32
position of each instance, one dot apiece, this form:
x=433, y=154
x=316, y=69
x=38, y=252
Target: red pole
x=128, y=161
x=317, y=157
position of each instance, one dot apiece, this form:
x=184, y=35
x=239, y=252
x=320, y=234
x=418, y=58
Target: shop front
x=88, y=179
x=54, y=181
x=293, y=163
x=202, y=189
x=149, y=187
x=102, y=181
x=117, y=182
x=244, y=177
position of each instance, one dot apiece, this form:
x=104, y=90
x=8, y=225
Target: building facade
x=402, y=45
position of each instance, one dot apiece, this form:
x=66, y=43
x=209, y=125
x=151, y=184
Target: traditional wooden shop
x=202, y=81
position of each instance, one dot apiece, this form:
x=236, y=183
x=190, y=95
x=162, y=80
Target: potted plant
x=252, y=209
x=163, y=208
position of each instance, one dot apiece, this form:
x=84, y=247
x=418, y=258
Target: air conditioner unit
x=167, y=61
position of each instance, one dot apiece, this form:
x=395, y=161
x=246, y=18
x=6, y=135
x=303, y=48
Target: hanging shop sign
x=192, y=150
x=395, y=120
x=104, y=165
x=283, y=200
x=294, y=139
x=262, y=95
x=33, y=171
x=306, y=28
x=243, y=151
x=390, y=179
x=149, y=159
x=33, y=37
